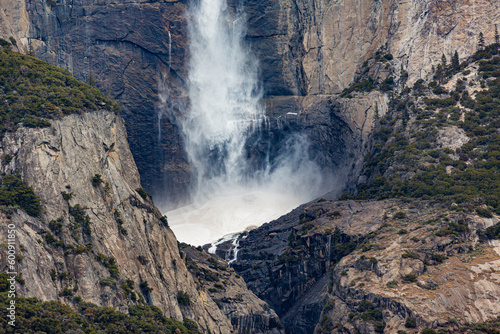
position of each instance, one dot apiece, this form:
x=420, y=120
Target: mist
x=233, y=188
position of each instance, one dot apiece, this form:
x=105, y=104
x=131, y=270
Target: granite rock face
x=97, y=228
x=351, y=266
x=137, y=50
x=213, y=276
x=316, y=47
x=130, y=49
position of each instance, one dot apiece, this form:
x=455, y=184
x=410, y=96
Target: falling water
x=169, y=51
x=163, y=90
x=225, y=111
x=224, y=93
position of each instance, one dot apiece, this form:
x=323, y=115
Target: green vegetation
x=371, y=313
x=107, y=281
x=493, y=232
x=399, y=215
x=366, y=83
x=110, y=263
x=33, y=91
x=183, y=298
x=143, y=193
x=410, y=255
x=164, y=220
x=410, y=278
x=66, y=196
x=35, y=316
x=392, y=284
x=428, y=331
x=128, y=289
x=119, y=222
x=325, y=325
x=488, y=327
x=410, y=323
x=406, y=160
x=97, y=180
x=454, y=229
x=484, y=212
x=145, y=288
x=81, y=218
x=14, y=193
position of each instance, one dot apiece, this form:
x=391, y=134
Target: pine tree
x=91, y=80
x=439, y=73
x=443, y=62
x=480, y=43
x=497, y=37
x=444, y=67
x=455, y=62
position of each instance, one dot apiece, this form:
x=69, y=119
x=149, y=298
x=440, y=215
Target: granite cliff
x=347, y=267
x=308, y=50
x=94, y=235
x=329, y=70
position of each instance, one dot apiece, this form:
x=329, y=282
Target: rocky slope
x=99, y=235
x=397, y=265
x=137, y=51
x=342, y=267
x=247, y=312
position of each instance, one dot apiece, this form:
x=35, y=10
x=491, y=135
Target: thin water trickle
x=169, y=51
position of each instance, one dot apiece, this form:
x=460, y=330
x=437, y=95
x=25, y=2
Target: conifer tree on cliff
x=455, y=62
x=480, y=43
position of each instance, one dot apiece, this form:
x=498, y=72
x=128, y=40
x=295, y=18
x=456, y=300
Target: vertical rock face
x=124, y=47
x=14, y=22
x=305, y=48
x=316, y=47
x=102, y=232
x=247, y=312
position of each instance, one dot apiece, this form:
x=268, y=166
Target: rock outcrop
x=99, y=235
x=365, y=266
x=214, y=277
x=129, y=49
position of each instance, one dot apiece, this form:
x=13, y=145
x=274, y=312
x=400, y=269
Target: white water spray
x=225, y=93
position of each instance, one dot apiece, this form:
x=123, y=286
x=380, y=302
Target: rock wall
x=357, y=266
x=137, y=51
x=59, y=257
x=124, y=47
x=316, y=47
x=247, y=312
x=15, y=23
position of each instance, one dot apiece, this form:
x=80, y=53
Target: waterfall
x=224, y=90
x=224, y=93
x=163, y=90
x=169, y=51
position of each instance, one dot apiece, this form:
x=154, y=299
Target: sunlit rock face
x=59, y=163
